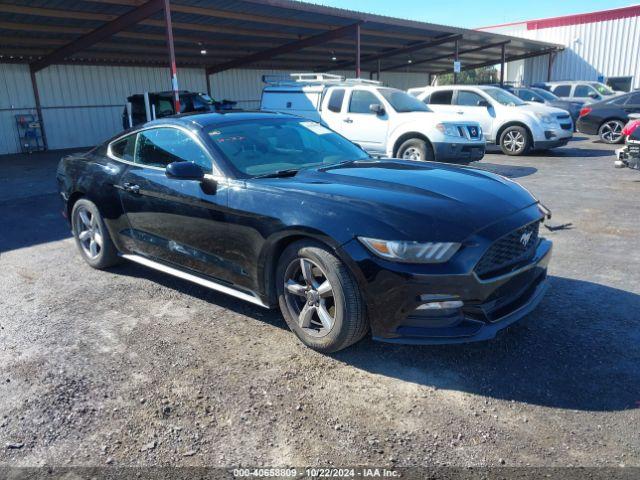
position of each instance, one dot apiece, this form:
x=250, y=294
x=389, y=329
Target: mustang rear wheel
x=319, y=298
x=92, y=236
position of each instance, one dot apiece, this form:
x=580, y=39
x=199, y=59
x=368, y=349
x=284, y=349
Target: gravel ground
x=131, y=367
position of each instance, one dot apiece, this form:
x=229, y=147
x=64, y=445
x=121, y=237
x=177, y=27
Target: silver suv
x=587, y=92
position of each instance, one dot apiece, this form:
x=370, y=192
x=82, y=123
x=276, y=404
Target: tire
x=611, y=131
x=326, y=321
x=515, y=141
x=91, y=235
x=416, y=149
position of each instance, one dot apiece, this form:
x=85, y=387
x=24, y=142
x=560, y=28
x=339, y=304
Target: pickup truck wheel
x=515, y=141
x=416, y=149
x=319, y=298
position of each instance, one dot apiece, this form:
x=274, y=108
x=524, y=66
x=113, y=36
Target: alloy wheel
x=514, y=141
x=309, y=297
x=89, y=233
x=611, y=131
x=412, y=153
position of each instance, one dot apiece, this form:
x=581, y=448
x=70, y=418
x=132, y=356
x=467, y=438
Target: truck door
x=361, y=125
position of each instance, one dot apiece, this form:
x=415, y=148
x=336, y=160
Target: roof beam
x=101, y=33
x=511, y=58
x=396, y=51
x=447, y=55
x=287, y=48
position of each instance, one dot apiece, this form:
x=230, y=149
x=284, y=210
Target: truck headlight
x=449, y=130
x=411, y=252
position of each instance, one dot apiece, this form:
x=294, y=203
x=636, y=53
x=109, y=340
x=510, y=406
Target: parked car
x=512, y=124
x=540, y=95
x=607, y=119
x=587, y=92
x=384, y=121
x=281, y=211
x=162, y=102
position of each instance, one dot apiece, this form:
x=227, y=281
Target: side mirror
x=376, y=108
x=184, y=171
x=593, y=95
x=484, y=103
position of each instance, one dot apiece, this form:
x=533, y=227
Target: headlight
x=411, y=252
x=547, y=119
x=449, y=130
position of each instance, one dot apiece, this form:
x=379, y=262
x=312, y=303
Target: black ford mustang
x=278, y=210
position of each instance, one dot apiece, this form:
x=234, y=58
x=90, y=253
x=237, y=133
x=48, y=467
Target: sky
x=475, y=13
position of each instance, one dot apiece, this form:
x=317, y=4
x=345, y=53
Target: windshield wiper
x=289, y=172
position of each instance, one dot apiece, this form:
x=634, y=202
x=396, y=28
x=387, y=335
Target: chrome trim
x=253, y=298
x=215, y=171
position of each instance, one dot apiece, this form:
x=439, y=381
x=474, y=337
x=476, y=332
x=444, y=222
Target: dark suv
x=163, y=103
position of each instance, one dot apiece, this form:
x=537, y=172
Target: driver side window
x=361, y=100
x=468, y=99
x=583, y=91
x=158, y=147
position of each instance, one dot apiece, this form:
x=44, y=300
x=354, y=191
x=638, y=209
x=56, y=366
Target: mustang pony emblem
x=524, y=239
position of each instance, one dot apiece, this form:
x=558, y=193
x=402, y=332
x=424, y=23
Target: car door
x=632, y=105
x=363, y=126
x=476, y=107
x=332, y=111
x=177, y=221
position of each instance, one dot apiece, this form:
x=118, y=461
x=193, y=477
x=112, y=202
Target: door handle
x=460, y=113
x=131, y=187
x=347, y=120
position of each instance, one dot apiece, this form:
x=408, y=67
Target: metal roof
x=232, y=30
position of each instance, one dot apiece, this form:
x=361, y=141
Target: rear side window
x=158, y=147
x=441, y=97
x=634, y=99
x=124, y=148
x=562, y=90
x=335, y=100
x=360, y=101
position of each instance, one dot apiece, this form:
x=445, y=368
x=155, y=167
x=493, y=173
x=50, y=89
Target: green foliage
x=477, y=76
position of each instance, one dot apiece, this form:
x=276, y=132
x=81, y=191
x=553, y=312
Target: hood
x=435, y=117
x=542, y=108
x=388, y=196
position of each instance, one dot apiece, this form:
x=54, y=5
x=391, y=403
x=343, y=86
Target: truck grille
x=509, y=252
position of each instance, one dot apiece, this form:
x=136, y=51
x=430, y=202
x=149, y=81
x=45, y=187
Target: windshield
x=602, y=89
x=529, y=95
x=546, y=94
x=503, y=97
x=402, y=102
x=265, y=146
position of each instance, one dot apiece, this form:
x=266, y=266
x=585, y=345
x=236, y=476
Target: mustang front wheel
x=319, y=298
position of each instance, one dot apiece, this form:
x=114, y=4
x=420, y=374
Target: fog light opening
x=445, y=305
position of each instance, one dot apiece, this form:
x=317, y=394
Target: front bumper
x=462, y=152
x=489, y=305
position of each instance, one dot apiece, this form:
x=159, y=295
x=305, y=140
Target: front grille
x=474, y=132
x=509, y=252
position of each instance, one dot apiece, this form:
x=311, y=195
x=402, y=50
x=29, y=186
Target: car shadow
x=578, y=350
x=566, y=152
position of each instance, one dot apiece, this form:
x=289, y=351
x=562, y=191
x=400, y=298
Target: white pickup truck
x=384, y=121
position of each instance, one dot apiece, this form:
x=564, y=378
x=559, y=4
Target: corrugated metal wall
x=82, y=105
x=599, y=49
x=16, y=97
x=245, y=86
